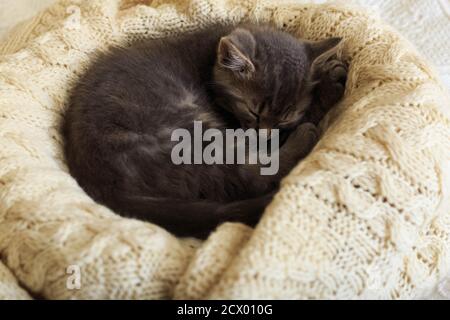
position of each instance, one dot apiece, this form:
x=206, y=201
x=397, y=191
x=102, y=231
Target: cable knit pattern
x=9, y=288
x=366, y=215
x=424, y=22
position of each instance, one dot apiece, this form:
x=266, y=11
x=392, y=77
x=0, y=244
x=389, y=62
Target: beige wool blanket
x=365, y=215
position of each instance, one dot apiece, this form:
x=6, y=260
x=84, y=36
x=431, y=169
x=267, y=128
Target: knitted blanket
x=365, y=215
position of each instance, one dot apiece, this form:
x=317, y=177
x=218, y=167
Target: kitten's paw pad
x=336, y=71
x=331, y=87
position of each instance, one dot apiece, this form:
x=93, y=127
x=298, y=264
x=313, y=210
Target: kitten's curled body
x=124, y=109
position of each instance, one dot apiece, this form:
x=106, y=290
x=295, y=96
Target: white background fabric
x=14, y=11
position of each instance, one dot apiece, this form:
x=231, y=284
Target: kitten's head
x=265, y=76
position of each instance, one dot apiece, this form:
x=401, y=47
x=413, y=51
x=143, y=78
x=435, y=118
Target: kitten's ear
x=236, y=51
x=320, y=51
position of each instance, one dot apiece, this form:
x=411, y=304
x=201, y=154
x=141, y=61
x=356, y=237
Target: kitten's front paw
x=303, y=139
x=331, y=87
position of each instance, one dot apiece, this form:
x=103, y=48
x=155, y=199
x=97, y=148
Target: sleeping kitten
x=124, y=109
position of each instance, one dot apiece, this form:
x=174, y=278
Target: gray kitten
x=124, y=109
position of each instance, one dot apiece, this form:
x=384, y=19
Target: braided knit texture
x=365, y=215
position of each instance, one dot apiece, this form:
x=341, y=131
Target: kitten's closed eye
x=247, y=116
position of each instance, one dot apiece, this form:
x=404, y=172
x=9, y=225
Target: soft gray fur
x=124, y=108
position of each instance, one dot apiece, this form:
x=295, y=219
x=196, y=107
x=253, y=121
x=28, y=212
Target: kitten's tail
x=193, y=218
